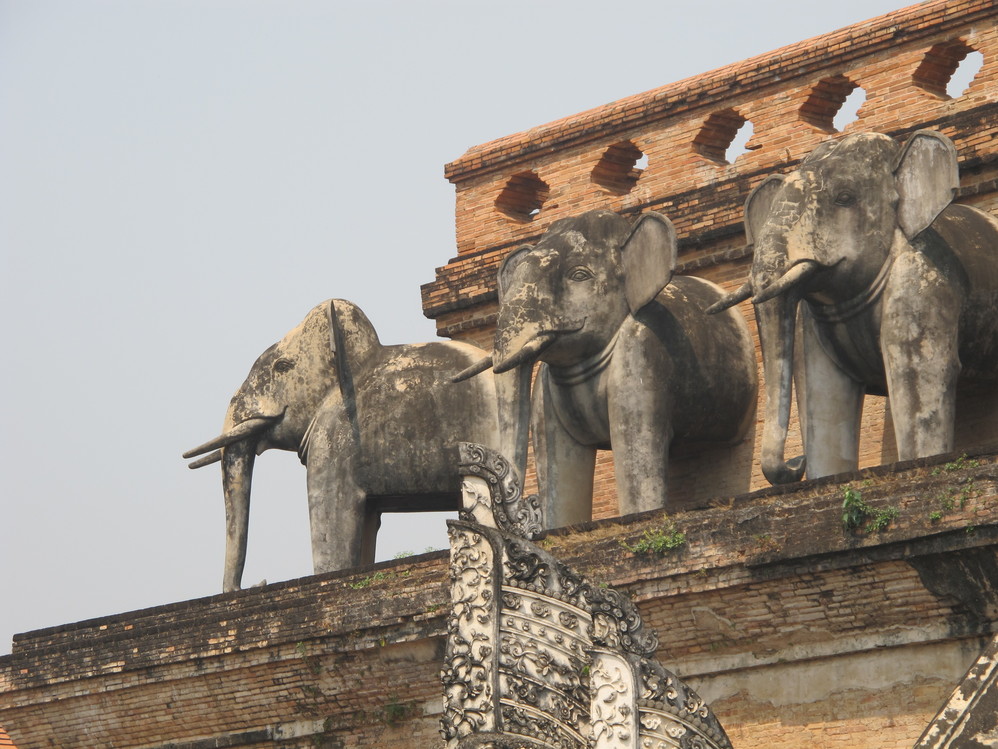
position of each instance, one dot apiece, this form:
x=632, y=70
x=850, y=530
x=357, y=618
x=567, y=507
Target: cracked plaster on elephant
x=897, y=290
x=366, y=420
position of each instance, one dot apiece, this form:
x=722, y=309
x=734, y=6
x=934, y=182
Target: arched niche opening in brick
x=723, y=137
x=948, y=69
x=523, y=196
x=619, y=168
x=832, y=103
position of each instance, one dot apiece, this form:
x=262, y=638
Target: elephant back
x=963, y=243
x=713, y=381
x=411, y=417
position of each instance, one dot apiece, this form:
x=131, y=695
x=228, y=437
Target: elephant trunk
x=523, y=333
x=778, y=285
x=776, y=319
x=237, y=477
x=513, y=392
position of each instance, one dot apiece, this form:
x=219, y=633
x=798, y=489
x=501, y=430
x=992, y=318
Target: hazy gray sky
x=181, y=180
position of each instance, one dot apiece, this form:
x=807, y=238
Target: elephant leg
x=564, y=467
x=337, y=513
x=830, y=404
x=640, y=433
x=369, y=537
x=337, y=506
x=919, y=342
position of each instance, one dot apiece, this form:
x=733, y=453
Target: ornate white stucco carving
x=537, y=656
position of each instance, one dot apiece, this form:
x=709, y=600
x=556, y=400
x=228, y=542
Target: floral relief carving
x=617, y=623
x=670, y=709
x=511, y=511
x=612, y=701
x=467, y=673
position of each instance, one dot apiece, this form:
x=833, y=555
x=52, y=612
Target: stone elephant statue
x=897, y=292
x=629, y=360
x=367, y=420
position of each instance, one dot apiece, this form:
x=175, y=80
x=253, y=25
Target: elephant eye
x=580, y=273
x=283, y=365
x=845, y=197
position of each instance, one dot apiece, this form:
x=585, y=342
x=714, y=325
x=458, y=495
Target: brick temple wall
x=796, y=631
x=510, y=190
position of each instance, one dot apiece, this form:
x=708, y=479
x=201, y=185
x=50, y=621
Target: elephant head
x=563, y=300
x=826, y=234
x=275, y=405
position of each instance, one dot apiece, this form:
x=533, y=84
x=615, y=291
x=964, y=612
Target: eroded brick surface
x=781, y=618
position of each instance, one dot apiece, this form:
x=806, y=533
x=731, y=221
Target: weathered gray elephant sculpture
x=366, y=419
x=899, y=290
x=630, y=360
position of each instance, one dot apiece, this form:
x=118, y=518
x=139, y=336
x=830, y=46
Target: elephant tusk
x=528, y=353
x=237, y=433
x=797, y=274
x=207, y=460
x=731, y=299
x=476, y=368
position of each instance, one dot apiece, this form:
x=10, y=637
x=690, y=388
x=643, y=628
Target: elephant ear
x=648, y=256
x=759, y=205
x=926, y=177
x=508, y=266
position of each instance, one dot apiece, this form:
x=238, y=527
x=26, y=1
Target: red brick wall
x=796, y=631
x=780, y=92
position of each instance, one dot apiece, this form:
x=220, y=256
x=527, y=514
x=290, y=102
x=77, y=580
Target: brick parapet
x=242, y=621
x=356, y=655
x=763, y=74
x=702, y=196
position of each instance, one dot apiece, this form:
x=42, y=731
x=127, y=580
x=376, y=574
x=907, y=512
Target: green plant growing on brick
x=853, y=508
x=956, y=465
x=954, y=498
x=767, y=543
x=311, y=662
x=881, y=520
x=378, y=577
x=856, y=513
x=365, y=581
x=395, y=711
x=311, y=702
x=322, y=740
x=659, y=540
